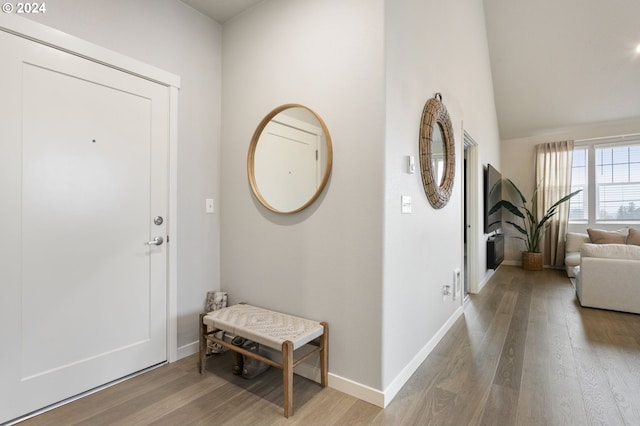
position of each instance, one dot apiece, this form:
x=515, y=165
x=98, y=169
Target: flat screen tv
x=492, y=196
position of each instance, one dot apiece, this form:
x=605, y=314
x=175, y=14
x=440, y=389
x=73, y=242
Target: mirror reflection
x=289, y=159
x=437, y=155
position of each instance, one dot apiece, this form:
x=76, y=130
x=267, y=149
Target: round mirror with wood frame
x=437, y=152
x=290, y=159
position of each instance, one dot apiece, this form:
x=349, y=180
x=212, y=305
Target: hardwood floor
x=524, y=353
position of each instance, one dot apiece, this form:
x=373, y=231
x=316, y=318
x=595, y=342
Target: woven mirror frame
x=435, y=118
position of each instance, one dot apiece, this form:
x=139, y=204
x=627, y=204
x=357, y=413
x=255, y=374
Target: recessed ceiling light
x=638, y=48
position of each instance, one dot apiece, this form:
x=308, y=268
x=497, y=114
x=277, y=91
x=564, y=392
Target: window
x=618, y=183
x=609, y=174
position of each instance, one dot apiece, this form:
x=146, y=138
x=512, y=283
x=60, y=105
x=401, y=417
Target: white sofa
x=572, y=246
x=575, y=241
x=609, y=277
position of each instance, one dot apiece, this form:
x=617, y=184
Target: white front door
x=83, y=174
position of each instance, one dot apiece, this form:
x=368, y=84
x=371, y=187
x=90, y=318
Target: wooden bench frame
x=288, y=362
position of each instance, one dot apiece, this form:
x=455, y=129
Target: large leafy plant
x=532, y=228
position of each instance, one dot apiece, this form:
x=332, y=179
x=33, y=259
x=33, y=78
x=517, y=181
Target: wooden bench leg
x=324, y=355
x=287, y=377
x=202, y=360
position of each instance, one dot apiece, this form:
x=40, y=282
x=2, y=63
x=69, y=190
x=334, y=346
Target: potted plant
x=532, y=227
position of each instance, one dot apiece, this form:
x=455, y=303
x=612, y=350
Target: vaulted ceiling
x=556, y=64
x=562, y=64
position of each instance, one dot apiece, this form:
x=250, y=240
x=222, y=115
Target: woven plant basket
x=531, y=261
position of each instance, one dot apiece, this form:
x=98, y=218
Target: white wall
x=431, y=46
x=367, y=67
x=324, y=263
x=518, y=159
x=352, y=259
x=170, y=35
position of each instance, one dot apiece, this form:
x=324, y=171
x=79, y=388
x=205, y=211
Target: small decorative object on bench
x=215, y=300
x=272, y=329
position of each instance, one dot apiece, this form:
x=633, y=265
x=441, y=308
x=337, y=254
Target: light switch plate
x=405, y=204
x=209, y=206
x=411, y=164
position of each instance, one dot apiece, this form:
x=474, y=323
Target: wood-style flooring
x=524, y=353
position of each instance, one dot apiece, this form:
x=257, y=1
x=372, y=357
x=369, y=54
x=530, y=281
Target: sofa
x=572, y=247
x=574, y=242
x=609, y=277
x=608, y=273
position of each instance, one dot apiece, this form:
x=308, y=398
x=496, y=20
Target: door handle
x=155, y=242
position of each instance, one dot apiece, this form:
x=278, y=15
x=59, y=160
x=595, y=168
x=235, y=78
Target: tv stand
x=495, y=251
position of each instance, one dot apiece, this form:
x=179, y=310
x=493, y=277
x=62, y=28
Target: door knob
x=155, y=242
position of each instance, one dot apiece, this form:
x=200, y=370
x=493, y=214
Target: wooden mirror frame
x=436, y=118
x=252, y=152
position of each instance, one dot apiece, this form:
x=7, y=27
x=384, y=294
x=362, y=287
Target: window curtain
x=553, y=175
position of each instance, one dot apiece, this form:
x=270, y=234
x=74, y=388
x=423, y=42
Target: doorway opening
x=470, y=215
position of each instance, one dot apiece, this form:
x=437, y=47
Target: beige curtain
x=553, y=173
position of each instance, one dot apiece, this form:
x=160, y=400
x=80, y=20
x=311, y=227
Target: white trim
x=172, y=233
x=489, y=274
x=357, y=390
x=401, y=379
x=374, y=396
x=591, y=188
x=56, y=39
x=634, y=137
x=471, y=184
x=312, y=372
x=186, y=350
x=42, y=34
x=81, y=395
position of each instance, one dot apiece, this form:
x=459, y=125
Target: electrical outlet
x=446, y=291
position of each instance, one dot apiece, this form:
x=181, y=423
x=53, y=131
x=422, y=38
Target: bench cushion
x=266, y=327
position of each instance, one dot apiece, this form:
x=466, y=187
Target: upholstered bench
x=275, y=330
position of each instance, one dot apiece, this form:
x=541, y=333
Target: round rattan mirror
x=437, y=152
x=290, y=158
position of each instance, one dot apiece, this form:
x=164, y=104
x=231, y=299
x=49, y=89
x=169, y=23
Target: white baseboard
x=519, y=263
x=350, y=387
x=188, y=349
x=486, y=279
x=392, y=390
x=342, y=384
x=357, y=390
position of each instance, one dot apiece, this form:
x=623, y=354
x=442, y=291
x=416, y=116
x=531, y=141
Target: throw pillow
x=634, y=237
x=600, y=236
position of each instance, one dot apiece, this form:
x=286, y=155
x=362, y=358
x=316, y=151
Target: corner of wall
x=401, y=379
